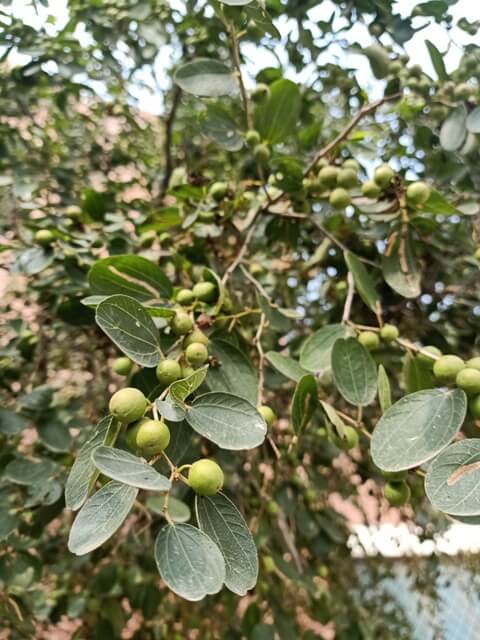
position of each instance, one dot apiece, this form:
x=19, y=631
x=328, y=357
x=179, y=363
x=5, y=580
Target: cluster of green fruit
x=149, y=437
x=371, y=339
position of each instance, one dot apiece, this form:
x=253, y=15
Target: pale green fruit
x=205, y=477
x=128, y=405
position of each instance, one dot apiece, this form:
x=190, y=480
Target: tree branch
x=177, y=92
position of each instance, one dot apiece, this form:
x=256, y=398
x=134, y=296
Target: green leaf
x=100, y=517
x=170, y=410
x=437, y=61
x=454, y=130
x=33, y=261
x=219, y=126
x=9, y=521
x=181, y=389
x=236, y=3
x=12, y=423
x=220, y=519
x=402, y=275
x=363, y=281
x=285, y=365
x=232, y=371
x=354, y=371
x=129, y=469
x=227, y=420
x=210, y=276
x=384, y=391
x=54, y=434
x=83, y=472
x=276, y=118
x=417, y=428
x=206, y=78
x=334, y=418
x=129, y=326
x=189, y=562
x=304, y=403
x=473, y=121
x=177, y=510
x=378, y=58
x=438, y=205
x=27, y=472
x=316, y=352
x=417, y=375
x=133, y=276
x=453, y=479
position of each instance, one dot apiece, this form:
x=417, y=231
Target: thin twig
x=261, y=358
x=177, y=92
x=237, y=64
x=347, y=309
x=243, y=249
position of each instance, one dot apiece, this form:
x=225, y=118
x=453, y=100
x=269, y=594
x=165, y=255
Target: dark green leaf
x=304, y=403
x=276, y=118
x=316, y=352
x=231, y=371
x=437, y=61
x=363, y=281
x=129, y=469
x=354, y=371
x=12, y=423
x=400, y=269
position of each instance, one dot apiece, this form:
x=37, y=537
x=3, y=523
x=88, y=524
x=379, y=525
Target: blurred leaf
x=354, y=371
x=206, y=78
x=276, y=118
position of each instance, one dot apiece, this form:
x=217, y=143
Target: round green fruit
x=272, y=507
x=152, y=437
x=205, y=477
x=389, y=332
x=122, y=366
x=473, y=363
x=252, y=138
x=395, y=476
x=423, y=357
x=187, y=371
x=196, y=336
x=446, y=368
x=181, y=323
x=44, y=237
x=397, y=493
x=383, y=175
x=476, y=255
x=196, y=354
x=206, y=216
x=369, y=340
x=131, y=437
x=260, y=93
x=418, y=192
x=267, y=414
x=185, y=297
x=168, y=371
x=340, y=198
x=327, y=176
x=349, y=441
x=268, y=564
x=128, y=405
x=205, y=291
x=351, y=163
x=370, y=189
x=463, y=90
x=468, y=379
x=475, y=407
x=262, y=154
x=218, y=191
x=347, y=178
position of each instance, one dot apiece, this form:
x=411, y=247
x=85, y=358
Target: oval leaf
x=354, y=371
x=453, y=131
x=417, y=427
x=177, y=510
x=401, y=271
x=129, y=326
x=276, y=117
x=473, y=121
x=101, y=515
x=232, y=371
x=189, y=562
x=384, y=391
x=181, y=389
x=129, y=469
x=227, y=420
x=304, y=403
x=285, y=365
x=316, y=352
x=363, y=281
x=205, y=77
x=220, y=519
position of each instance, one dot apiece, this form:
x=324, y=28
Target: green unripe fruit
x=168, y=371
x=73, y=212
x=395, y=476
x=429, y=349
x=446, y=368
x=397, y=493
x=475, y=407
x=153, y=436
x=369, y=340
x=218, y=191
x=181, y=323
x=412, y=83
x=272, y=508
x=416, y=70
x=341, y=287
x=262, y=153
x=463, y=91
x=310, y=495
x=389, y=332
x=268, y=564
x=205, y=477
x=44, y=237
x=473, y=363
x=267, y=414
x=205, y=291
x=187, y=371
x=347, y=178
x=131, y=437
x=196, y=354
x=257, y=269
x=418, y=192
x=468, y=379
x=340, y=198
x=122, y=366
x=476, y=255
x=349, y=441
x=327, y=176
x=383, y=175
x=375, y=28
x=196, y=336
x=185, y=297
x=252, y=138
x=260, y=93
x=395, y=67
x=370, y=189
x=350, y=163
x=128, y=405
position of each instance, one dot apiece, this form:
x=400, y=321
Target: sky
x=149, y=100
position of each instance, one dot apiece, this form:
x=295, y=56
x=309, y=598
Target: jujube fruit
x=327, y=176
x=187, y=371
x=152, y=436
x=383, y=175
x=389, y=332
x=205, y=291
x=260, y=93
x=369, y=339
x=347, y=178
x=351, y=163
x=181, y=323
x=447, y=367
x=196, y=335
x=397, y=493
x=205, y=477
x=252, y=138
x=340, y=198
x=418, y=192
x=168, y=371
x=370, y=189
x=262, y=153
x=468, y=379
x=122, y=366
x=473, y=363
x=44, y=237
x=474, y=407
x=196, y=354
x=267, y=414
x=349, y=441
x=185, y=297
x=128, y=405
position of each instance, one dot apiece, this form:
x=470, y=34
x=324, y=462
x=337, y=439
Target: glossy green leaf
x=354, y=371
x=417, y=375
x=402, y=274
x=437, y=61
x=12, y=423
x=232, y=371
x=276, y=118
x=100, y=517
x=206, y=78
x=452, y=483
x=334, y=418
x=129, y=326
x=363, y=281
x=316, y=352
x=227, y=420
x=133, y=276
x=454, y=130
x=304, y=402
x=177, y=510
x=285, y=365
x=417, y=428
x=384, y=391
x=129, y=469
x=181, y=389
x=220, y=519
x=189, y=562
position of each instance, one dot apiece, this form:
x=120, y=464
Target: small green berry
x=327, y=176
x=168, y=371
x=272, y=508
x=389, y=332
x=260, y=93
x=187, y=371
x=122, y=366
x=397, y=493
x=395, y=476
x=128, y=405
x=152, y=437
x=181, y=323
x=205, y=477
x=468, y=379
x=369, y=340
x=205, y=291
x=474, y=407
x=262, y=154
x=351, y=163
x=418, y=192
x=423, y=357
x=347, y=178
x=370, y=189
x=473, y=363
x=44, y=237
x=185, y=297
x=349, y=441
x=268, y=564
x=267, y=414
x=340, y=198
x=196, y=354
x=383, y=175
x=446, y=368
x=195, y=336
x=252, y=138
